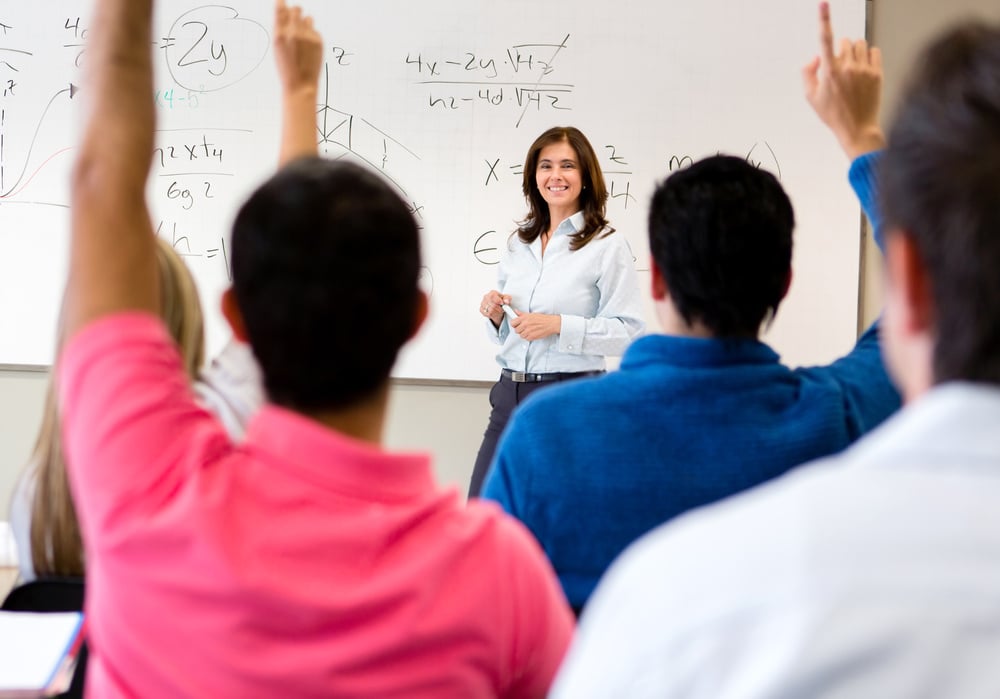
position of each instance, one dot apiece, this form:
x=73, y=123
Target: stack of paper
x=38, y=652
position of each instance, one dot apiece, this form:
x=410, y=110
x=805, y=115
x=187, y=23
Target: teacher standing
x=568, y=279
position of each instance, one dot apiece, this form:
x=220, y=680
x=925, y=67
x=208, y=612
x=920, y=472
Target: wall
x=22, y=394
x=449, y=420
x=900, y=28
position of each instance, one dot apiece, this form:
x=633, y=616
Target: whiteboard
x=443, y=98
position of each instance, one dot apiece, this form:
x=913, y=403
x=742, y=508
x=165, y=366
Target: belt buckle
x=518, y=376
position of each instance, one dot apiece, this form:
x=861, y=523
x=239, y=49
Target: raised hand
x=298, y=48
x=845, y=89
x=298, y=54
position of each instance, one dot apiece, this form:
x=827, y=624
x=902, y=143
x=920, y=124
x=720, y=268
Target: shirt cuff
x=571, y=334
x=863, y=177
x=497, y=335
x=863, y=171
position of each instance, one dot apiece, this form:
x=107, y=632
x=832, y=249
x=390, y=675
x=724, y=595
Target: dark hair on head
x=720, y=232
x=326, y=260
x=940, y=185
x=593, y=197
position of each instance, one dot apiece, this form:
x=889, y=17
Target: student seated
x=874, y=573
x=42, y=516
x=306, y=561
x=704, y=410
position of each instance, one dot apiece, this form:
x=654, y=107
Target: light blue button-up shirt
x=594, y=290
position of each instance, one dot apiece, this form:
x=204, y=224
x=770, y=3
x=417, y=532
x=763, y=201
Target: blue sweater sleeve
x=862, y=177
x=869, y=394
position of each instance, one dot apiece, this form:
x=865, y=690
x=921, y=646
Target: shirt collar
x=571, y=225
x=334, y=461
x=696, y=352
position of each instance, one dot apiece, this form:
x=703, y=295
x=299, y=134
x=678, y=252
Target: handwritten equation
x=192, y=172
x=521, y=77
x=214, y=47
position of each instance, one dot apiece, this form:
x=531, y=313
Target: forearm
x=298, y=127
x=112, y=260
x=118, y=133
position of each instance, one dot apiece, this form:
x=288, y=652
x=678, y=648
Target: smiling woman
x=567, y=294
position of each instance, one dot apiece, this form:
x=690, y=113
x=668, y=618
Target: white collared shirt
x=594, y=290
x=872, y=574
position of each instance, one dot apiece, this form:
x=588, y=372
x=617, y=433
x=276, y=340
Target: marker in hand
x=511, y=313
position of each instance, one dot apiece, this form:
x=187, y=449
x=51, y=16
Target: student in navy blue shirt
x=706, y=409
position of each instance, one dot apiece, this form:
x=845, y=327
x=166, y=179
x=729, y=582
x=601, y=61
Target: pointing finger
x=825, y=34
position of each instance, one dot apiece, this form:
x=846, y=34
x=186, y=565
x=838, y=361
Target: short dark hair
x=326, y=260
x=940, y=184
x=593, y=196
x=720, y=232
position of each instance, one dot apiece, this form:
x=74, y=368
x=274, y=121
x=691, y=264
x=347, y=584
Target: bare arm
x=845, y=88
x=112, y=258
x=298, y=52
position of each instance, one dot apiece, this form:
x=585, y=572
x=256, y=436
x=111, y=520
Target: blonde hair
x=56, y=546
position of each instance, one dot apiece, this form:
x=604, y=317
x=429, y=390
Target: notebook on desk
x=38, y=652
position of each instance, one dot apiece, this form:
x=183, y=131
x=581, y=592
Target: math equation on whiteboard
x=520, y=78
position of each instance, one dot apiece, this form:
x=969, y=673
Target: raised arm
x=298, y=53
x=112, y=260
x=844, y=88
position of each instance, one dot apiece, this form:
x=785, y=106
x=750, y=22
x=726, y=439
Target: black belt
x=527, y=377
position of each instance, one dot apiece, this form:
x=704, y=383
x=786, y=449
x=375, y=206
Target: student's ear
x=659, y=289
x=420, y=313
x=231, y=312
x=909, y=284
x=788, y=284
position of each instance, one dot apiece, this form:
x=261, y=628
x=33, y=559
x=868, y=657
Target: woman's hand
x=536, y=326
x=491, y=306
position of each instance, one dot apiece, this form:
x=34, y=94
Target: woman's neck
x=558, y=215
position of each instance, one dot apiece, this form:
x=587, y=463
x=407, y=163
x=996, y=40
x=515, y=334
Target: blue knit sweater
x=591, y=465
